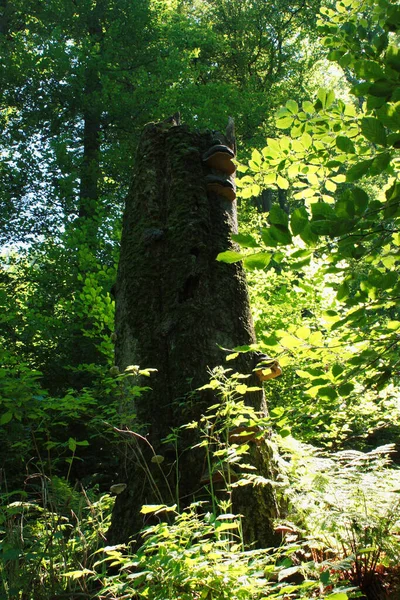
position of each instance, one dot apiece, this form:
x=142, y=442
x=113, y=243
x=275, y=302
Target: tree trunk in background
x=92, y=106
x=176, y=306
x=5, y=13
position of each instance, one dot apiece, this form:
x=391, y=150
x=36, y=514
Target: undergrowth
x=339, y=525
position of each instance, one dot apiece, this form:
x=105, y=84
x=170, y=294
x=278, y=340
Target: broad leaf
x=257, y=261
x=229, y=256
x=278, y=216
x=298, y=220
x=373, y=130
x=345, y=144
x=245, y=240
x=358, y=170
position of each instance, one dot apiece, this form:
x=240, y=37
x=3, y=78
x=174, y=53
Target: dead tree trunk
x=177, y=308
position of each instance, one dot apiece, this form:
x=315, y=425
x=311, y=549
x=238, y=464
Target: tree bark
x=177, y=310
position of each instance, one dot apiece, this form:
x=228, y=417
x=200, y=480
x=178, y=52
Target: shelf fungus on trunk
x=245, y=434
x=223, y=186
x=267, y=368
x=220, y=157
x=218, y=164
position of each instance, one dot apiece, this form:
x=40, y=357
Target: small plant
x=226, y=430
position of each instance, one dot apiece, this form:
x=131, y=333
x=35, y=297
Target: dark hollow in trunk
x=177, y=309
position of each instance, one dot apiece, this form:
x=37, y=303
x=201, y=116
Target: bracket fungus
x=242, y=435
x=222, y=186
x=220, y=157
x=118, y=488
x=270, y=371
x=266, y=367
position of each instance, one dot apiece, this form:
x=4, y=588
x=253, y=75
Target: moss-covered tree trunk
x=177, y=310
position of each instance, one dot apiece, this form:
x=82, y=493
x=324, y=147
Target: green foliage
x=339, y=167
x=347, y=504
x=98, y=72
x=323, y=271
x=196, y=557
x=322, y=389
x=41, y=540
x=199, y=551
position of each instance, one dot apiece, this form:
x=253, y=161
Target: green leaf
x=260, y=260
x=284, y=123
x=345, y=389
x=337, y=596
x=229, y=256
x=373, y=130
x=392, y=57
x=292, y=106
x=321, y=210
x=326, y=98
x=226, y=526
x=308, y=236
x=330, y=185
x=241, y=388
x=247, y=179
x=368, y=69
x=6, y=417
x=308, y=107
x=269, y=178
x=298, y=220
x=389, y=115
x=358, y=170
x=335, y=55
x=323, y=227
x=345, y=209
x=380, y=163
x=360, y=89
x=382, y=89
x=245, y=240
x=72, y=444
x=380, y=42
x=282, y=183
x=305, y=194
x=281, y=234
x=360, y=200
x=343, y=292
x=152, y=508
x=290, y=342
x=77, y=574
x=247, y=192
x=337, y=370
x=306, y=140
x=346, y=60
x=393, y=18
x=254, y=166
x=268, y=239
x=345, y=144
x=394, y=140
x=256, y=157
x=324, y=577
x=303, y=332
x=278, y=216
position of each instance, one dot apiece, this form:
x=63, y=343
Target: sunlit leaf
x=229, y=256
